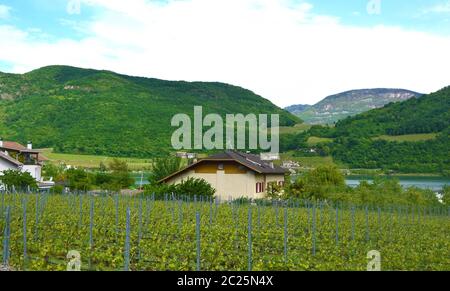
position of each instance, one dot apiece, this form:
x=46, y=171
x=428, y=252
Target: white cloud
x=439, y=8
x=281, y=49
x=4, y=11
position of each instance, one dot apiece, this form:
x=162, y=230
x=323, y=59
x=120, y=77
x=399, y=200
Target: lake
x=137, y=177
x=423, y=182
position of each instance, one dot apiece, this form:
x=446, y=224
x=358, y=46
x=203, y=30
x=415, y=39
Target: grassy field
x=294, y=129
x=92, y=162
x=313, y=140
x=408, y=137
x=162, y=235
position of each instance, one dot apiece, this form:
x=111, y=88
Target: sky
x=288, y=51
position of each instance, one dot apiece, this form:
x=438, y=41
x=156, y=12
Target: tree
x=120, y=175
x=198, y=187
x=317, y=184
x=78, y=179
x=446, y=196
x=274, y=191
x=17, y=179
x=163, y=167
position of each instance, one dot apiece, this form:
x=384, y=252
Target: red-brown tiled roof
x=12, y=145
x=252, y=162
x=15, y=146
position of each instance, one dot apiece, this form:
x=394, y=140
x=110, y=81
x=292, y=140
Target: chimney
x=30, y=145
x=1, y=142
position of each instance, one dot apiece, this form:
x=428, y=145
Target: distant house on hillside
x=233, y=174
x=14, y=156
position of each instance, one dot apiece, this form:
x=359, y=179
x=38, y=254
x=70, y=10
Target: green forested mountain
x=100, y=112
x=428, y=114
x=356, y=143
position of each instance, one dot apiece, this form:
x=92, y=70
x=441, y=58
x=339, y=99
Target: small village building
x=233, y=175
x=14, y=156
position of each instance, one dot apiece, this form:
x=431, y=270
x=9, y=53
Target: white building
x=14, y=156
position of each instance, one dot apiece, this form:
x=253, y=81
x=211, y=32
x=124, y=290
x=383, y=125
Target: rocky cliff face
x=350, y=103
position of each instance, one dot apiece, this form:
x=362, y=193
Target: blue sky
x=285, y=50
x=411, y=14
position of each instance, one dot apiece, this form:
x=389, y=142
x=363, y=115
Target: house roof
x=250, y=161
x=15, y=146
x=12, y=145
x=10, y=159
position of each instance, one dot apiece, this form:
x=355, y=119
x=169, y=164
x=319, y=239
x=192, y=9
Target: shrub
x=19, y=180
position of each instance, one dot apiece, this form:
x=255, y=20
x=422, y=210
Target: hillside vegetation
x=75, y=110
x=357, y=142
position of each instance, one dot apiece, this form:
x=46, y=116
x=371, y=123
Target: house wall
x=232, y=182
x=35, y=171
x=4, y=165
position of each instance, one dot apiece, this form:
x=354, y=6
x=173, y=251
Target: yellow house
x=233, y=175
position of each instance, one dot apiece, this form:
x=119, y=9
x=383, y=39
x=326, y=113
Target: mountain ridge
x=356, y=140
x=88, y=111
x=350, y=103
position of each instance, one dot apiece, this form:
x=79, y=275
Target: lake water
x=423, y=182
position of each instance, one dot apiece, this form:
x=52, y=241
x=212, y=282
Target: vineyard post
x=91, y=227
x=259, y=218
x=116, y=202
x=391, y=218
x=197, y=235
x=6, y=236
x=3, y=204
x=80, y=222
x=180, y=214
x=127, y=241
x=276, y=213
x=353, y=222
x=320, y=212
x=367, y=224
x=172, y=207
x=250, y=258
x=37, y=216
x=285, y=234
x=314, y=229
x=309, y=220
x=418, y=215
x=148, y=210
x=217, y=202
x=210, y=211
x=337, y=225
x=139, y=230
x=24, y=204
x=379, y=222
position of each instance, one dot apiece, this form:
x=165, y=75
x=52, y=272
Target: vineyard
x=112, y=232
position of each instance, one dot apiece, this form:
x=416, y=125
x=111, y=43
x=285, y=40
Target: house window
x=259, y=187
